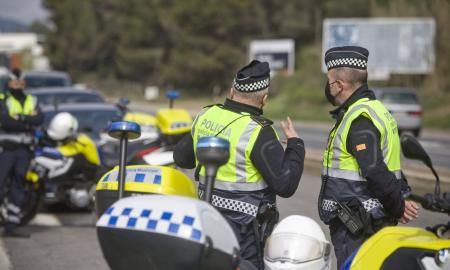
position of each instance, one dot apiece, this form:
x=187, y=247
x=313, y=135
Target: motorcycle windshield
x=294, y=248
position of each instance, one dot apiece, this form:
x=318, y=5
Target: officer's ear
x=231, y=94
x=264, y=100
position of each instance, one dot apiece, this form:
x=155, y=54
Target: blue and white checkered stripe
x=251, y=87
x=352, y=62
x=140, y=175
x=369, y=204
x=146, y=219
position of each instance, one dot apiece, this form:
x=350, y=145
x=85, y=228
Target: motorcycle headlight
x=295, y=248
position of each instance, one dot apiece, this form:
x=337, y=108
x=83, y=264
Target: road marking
x=4, y=259
x=46, y=220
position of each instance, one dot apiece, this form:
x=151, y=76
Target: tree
x=74, y=40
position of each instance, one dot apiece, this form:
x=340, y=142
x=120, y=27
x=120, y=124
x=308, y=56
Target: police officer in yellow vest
x=19, y=116
x=361, y=165
x=258, y=169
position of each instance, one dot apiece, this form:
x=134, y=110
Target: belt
x=19, y=138
x=369, y=204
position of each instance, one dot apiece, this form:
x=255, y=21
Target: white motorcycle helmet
x=62, y=126
x=297, y=242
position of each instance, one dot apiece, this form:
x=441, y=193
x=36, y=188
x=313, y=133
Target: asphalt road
x=67, y=240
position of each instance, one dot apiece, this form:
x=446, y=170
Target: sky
x=24, y=11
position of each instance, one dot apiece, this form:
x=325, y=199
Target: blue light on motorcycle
x=130, y=130
x=213, y=142
x=172, y=94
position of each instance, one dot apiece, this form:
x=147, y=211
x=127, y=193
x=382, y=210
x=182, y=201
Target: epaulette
x=264, y=122
x=211, y=105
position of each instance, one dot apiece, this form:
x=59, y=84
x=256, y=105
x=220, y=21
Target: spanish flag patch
x=361, y=147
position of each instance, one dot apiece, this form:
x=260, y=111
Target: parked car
x=60, y=95
x=39, y=79
x=404, y=106
x=3, y=78
x=93, y=118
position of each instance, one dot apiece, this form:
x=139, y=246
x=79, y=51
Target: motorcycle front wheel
x=33, y=196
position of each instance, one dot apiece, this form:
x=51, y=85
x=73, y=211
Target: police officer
x=258, y=169
x=361, y=166
x=19, y=115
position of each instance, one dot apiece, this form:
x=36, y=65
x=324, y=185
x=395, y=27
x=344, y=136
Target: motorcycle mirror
x=412, y=149
x=212, y=152
x=123, y=131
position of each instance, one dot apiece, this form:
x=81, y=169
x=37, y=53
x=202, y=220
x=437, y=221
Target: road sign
x=396, y=45
x=280, y=53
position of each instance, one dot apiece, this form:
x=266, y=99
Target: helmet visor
x=294, y=248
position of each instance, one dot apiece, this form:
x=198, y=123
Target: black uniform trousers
x=13, y=168
x=344, y=242
x=247, y=242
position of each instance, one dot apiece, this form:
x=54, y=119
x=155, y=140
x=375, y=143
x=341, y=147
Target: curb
x=4, y=259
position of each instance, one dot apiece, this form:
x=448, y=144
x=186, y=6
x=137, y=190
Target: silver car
x=404, y=106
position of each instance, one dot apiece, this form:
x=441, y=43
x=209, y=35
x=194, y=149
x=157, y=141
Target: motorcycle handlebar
x=424, y=201
x=432, y=202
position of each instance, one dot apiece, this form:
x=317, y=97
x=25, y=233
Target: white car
x=404, y=106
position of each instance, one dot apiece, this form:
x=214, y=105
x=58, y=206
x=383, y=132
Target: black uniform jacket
x=25, y=125
x=281, y=169
x=381, y=182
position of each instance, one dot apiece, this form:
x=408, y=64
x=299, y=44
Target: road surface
x=62, y=240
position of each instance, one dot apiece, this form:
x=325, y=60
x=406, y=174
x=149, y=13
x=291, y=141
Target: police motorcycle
x=53, y=177
x=170, y=229
x=65, y=166
x=146, y=121
x=409, y=247
x=171, y=125
x=149, y=134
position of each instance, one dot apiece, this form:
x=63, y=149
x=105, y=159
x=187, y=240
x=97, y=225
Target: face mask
x=328, y=94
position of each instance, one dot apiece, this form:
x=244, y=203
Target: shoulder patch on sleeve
x=361, y=147
x=264, y=122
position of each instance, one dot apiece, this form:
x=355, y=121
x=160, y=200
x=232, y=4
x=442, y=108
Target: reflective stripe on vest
x=342, y=160
x=352, y=175
x=241, y=186
x=344, y=180
x=239, y=174
x=16, y=108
